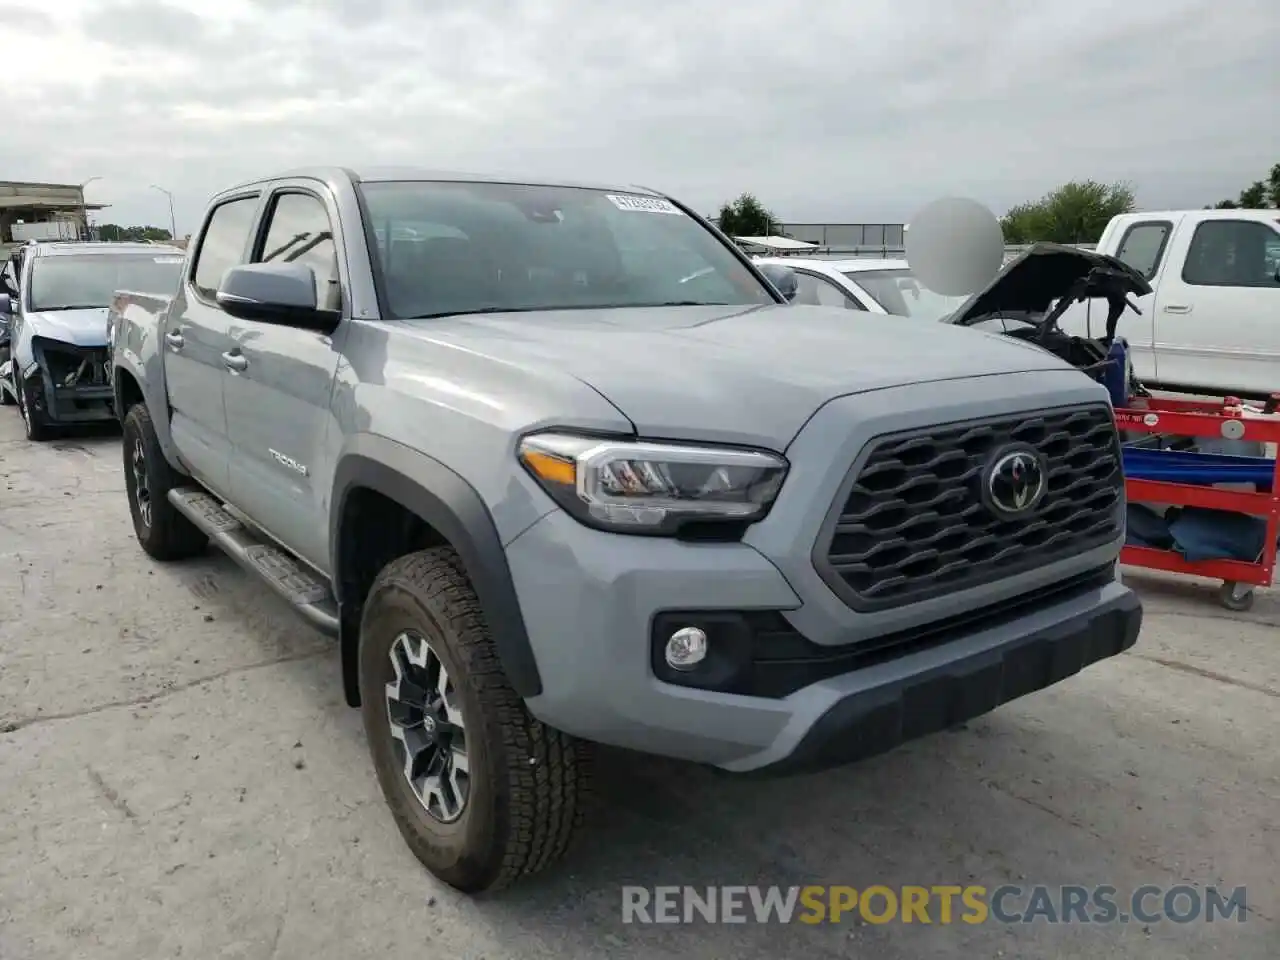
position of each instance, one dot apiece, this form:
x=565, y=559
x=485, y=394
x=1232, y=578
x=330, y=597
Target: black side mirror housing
x=784, y=279
x=280, y=293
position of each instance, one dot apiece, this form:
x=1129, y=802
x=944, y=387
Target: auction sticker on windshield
x=643, y=204
x=167, y=259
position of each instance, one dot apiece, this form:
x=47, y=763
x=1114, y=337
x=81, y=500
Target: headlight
x=651, y=488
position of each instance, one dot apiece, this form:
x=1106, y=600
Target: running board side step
x=303, y=590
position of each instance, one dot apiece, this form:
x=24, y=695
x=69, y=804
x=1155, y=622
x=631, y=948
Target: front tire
x=7, y=399
x=36, y=429
x=482, y=792
x=163, y=532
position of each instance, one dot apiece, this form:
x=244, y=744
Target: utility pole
x=173, y=223
x=84, y=212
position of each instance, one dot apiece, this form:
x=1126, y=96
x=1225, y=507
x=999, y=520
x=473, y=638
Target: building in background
x=52, y=211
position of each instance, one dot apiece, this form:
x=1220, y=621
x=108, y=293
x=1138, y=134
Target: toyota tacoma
x=558, y=466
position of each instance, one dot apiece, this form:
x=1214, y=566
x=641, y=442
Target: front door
x=196, y=337
x=1218, y=316
x=280, y=386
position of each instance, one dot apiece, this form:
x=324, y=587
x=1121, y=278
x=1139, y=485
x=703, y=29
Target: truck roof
x=1229, y=213
x=378, y=174
x=54, y=248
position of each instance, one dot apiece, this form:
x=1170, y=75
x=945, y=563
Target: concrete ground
x=180, y=778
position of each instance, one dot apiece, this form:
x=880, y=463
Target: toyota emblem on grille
x=1016, y=481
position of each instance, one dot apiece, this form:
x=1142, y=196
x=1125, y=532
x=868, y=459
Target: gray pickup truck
x=558, y=465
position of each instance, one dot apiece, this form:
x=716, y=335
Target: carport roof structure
x=777, y=243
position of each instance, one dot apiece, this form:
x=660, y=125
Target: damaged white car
x=53, y=348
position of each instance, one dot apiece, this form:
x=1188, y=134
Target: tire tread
x=546, y=775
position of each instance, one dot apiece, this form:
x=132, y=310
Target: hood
x=1032, y=281
x=82, y=328
x=749, y=375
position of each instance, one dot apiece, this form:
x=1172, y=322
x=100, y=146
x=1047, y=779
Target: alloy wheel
x=427, y=729
x=141, y=491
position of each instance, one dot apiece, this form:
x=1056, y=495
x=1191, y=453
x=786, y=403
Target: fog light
x=686, y=648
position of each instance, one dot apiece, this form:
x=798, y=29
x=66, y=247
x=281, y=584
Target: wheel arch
x=127, y=391
x=451, y=512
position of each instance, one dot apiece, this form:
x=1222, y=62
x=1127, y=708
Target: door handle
x=175, y=340
x=1177, y=308
x=236, y=362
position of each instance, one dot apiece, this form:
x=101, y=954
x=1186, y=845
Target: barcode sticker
x=633, y=203
x=167, y=259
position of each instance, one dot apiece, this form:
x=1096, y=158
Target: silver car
x=55, y=316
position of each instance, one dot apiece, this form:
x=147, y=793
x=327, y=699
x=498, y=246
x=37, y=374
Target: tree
x=1076, y=212
x=113, y=231
x=746, y=217
x=1259, y=195
x=1254, y=196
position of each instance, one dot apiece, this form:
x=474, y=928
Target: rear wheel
x=165, y=534
x=481, y=791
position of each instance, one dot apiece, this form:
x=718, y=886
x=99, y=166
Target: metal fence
x=848, y=236
x=879, y=240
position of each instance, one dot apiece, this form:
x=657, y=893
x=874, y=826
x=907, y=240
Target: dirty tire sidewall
x=467, y=853
x=170, y=536
x=36, y=429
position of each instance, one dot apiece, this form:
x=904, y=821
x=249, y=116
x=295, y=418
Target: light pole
x=84, y=213
x=173, y=223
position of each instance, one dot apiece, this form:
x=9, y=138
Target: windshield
x=82, y=281
x=448, y=248
x=901, y=293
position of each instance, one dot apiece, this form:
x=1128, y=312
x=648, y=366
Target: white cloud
x=827, y=111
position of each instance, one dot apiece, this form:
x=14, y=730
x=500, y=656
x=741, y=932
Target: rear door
x=1218, y=306
x=281, y=381
x=196, y=337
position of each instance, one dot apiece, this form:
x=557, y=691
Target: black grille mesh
x=914, y=526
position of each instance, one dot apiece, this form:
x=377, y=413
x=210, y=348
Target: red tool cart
x=1155, y=475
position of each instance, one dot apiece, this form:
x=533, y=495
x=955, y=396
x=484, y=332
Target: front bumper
x=878, y=718
x=590, y=609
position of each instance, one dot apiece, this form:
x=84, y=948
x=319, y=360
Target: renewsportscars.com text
x=938, y=904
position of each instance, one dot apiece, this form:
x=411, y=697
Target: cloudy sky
x=829, y=111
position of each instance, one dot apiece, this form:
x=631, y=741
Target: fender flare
x=449, y=504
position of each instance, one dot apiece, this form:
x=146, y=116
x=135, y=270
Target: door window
x=1231, y=253
x=816, y=291
x=1142, y=246
x=299, y=232
x=223, y=245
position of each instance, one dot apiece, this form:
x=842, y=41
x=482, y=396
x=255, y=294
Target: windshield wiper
x=70, y=306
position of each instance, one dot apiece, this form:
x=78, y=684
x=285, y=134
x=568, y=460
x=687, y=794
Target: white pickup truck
x=1212, y=322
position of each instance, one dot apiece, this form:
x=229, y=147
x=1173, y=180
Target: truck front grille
x=913, y=524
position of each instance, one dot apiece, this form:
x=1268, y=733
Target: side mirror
x=783, y=278
x=281, y=293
